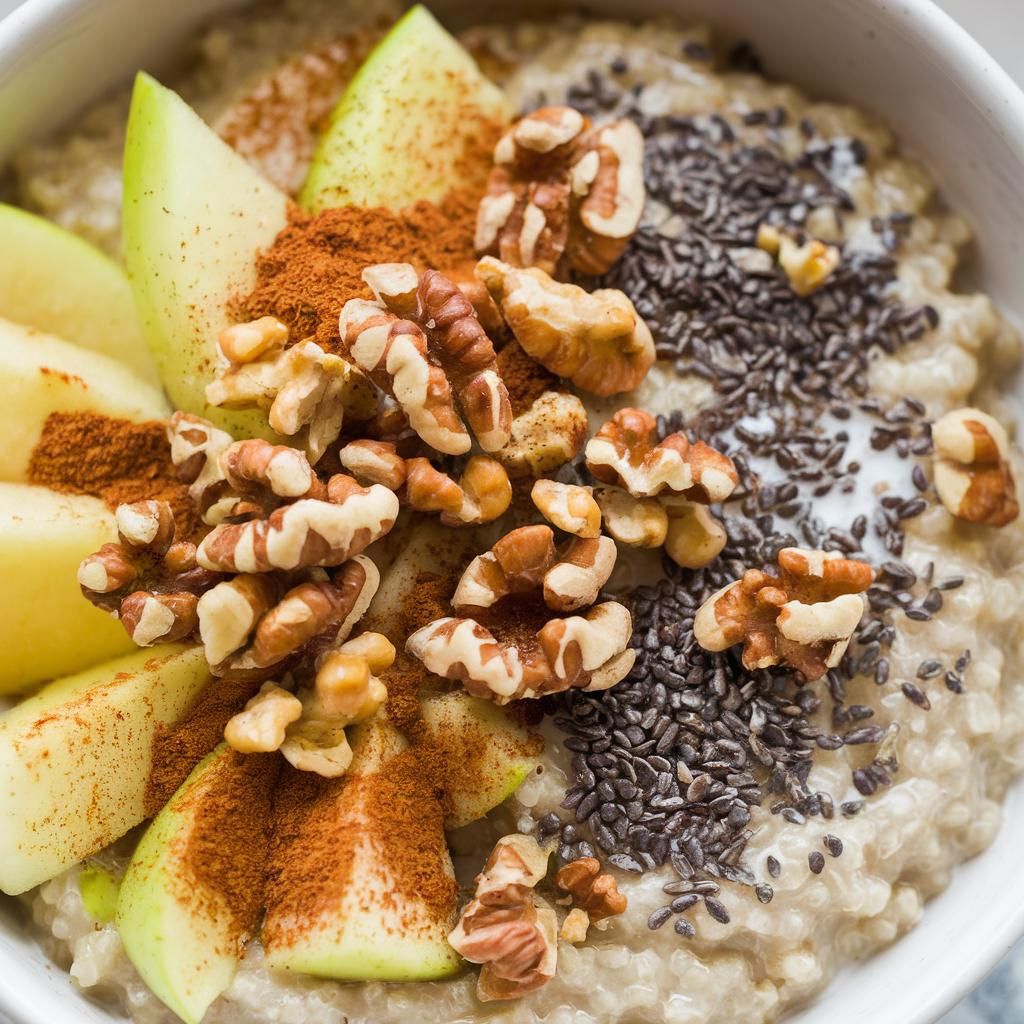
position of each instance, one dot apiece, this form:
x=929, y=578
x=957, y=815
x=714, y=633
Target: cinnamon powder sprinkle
x=112, y=459
x=315, y=264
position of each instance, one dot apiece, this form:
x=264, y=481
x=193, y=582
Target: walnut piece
x=695, y=538
x=589, y=652
x=626, y=453
x=563, y=195
x=309, y=728
x=635, y=522
x=803, y=618
x=546, y=435
x=596, y=893
x=595, y=339
x=308, y=532
x=251, y=625
x=569, y=507
x=808, y=266
x=575, y=927
x=482, y=494
x=972, y=469
x=504, y=927
x=303, y=388
x=420, y=342
x=196, y=448
x=148, y=579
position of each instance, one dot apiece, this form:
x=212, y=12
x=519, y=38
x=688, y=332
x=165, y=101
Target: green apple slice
x=195, y=217
x=412, y=124
x=44, y=374
x=182, y=924
x=43, y=537
x=58, y=283
x=75, y=758
x=355, y=917
x=490, y=754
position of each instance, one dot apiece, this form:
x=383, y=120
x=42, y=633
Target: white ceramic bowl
x=952, y=105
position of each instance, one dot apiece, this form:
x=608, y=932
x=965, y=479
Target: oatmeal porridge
x=762, y=690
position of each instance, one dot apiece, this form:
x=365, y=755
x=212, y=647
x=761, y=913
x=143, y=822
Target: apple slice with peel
x=489, y=754
x=75, y=758
x=43, y=537
x=417, y=121
x=195, y=216
x=191, y=894
x=57, y=282
x=43, y=374
x=361, y=885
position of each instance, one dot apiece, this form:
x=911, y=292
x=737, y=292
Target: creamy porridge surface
x=955, y=760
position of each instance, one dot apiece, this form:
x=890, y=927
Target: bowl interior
x=952, y=106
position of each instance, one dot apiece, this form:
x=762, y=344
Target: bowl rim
x=1002, y=100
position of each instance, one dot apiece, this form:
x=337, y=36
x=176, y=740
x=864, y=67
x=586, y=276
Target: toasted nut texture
x=695, y=537
x=252, y=624
x=148, y=579
x=803, y=618
x=635, y=522
x=575, y=927
x=526, y=560
x=309, y=532
x=303, y=388
x=596, y=893
x=595, y=339
x=261, y=727
x=569, y=507
x=421, y=343
x=563, y=195
x=808, y=266
x=196, y=448
x=504, y=927
x=972, y=469
x=550, y=433
x=626, y=452
x=374, y=462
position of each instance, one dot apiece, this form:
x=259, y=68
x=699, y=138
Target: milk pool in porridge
x=576, y=538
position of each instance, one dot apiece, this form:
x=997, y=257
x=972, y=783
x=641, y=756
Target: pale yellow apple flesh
x=75, y=758
x=417, y=121
x=49, y=629
x=195, y=216
x=58, y=283
x=355, y=917
x=43, y=374
x=182, y=926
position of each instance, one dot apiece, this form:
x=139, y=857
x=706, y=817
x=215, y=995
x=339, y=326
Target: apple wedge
x=417, y=121
x=195, y=216
x=361, y=885
x=44, y=374
x=75, y=758
x=58, y=283
x=187, y=902
x=489, y=753
x=43, y=537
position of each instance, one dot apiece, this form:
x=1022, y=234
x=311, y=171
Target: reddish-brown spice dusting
x=525, y=379
x=225, y=849
x=179, y=748
x=315, y=264
x=112, y=459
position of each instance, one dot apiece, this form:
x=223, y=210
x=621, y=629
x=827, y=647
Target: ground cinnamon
x=525, y=379
x=315, y=264
x=112, y=459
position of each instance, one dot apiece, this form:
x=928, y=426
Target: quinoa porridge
x=766, y=828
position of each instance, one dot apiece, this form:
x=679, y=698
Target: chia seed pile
x=669, y=763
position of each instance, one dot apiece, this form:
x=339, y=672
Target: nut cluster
x=563, y=195
x=808, y=265
x=480, y=649
x=505, y=927
x=972, y=469
x=309, y=727
x=148, y=579
x=592, y=890
x=304, y=390
x=803, y=618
